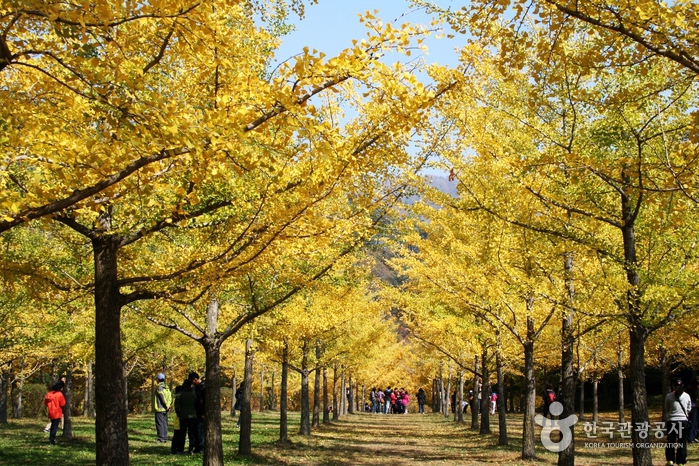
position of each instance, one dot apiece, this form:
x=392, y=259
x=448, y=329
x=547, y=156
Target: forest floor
x=358, y=439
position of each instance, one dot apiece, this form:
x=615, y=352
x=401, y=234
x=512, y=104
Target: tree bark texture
x=111, y=431
x=213, y=443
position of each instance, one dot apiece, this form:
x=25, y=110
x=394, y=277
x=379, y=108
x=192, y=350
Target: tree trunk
x=67, y=411
x=350, y=395
x=272, y=398
x=89, y=410
x=316, y=390
x=664, y=375
x=336, y=415
x=234, y=387
x=111, y=433
x=582, y=397
x=637, y=330
x=460, y=400
x=485, y=397
x=528, y=444
x=284, y=397
x=502, y=399
x=4, y=388
x=326, y=401
x=17, y=400
x=343, y=394
x=474, y=408
x=213, y=443
x=639, y=400
x=566, y=457
x=595, y=401
x=245, y=445
x=620, y=374
x=447, y=392
x=305, y=428
x=262, y=388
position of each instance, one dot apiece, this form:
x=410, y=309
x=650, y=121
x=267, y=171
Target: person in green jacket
x=162, y=402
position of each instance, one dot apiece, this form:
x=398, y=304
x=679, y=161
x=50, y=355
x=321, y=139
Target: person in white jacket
x=678, y=404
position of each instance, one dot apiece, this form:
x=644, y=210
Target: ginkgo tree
x=225, y=156
x=587, y=151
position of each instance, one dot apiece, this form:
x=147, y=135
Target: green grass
x=360, y=439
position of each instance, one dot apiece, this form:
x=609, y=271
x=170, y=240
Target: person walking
x=493, y=402
x=678, y=404
x=162, y=403
x=55, y=401
x=421, y=398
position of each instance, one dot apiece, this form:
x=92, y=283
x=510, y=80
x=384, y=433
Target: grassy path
x=359, y=439
x=401, y=440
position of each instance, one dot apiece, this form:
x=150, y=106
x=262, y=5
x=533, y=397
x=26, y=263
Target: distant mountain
x=442, y=183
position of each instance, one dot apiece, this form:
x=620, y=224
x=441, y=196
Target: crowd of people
x=394, y=400
x=188, y=403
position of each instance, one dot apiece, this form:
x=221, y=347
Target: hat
x=160, y=376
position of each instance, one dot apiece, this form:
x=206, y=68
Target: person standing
x=493, y=402
x=55, y=401
x=387, y=399
x=421, y=398
x=239, y=401
x=186, y=409
x=162, y=403
x=177, y=446
x=199, y=390
x=678, y=404
x=549, y=397
x=379, y=401
x=405, y=400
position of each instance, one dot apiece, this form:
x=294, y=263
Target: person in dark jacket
x=421, y=398
x=239, y=400
x=200, y=391
x=186, y=410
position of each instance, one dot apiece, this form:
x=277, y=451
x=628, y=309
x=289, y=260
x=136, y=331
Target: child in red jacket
x=55, y=401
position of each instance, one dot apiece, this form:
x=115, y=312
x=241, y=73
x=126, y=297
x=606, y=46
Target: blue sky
x=330, y=26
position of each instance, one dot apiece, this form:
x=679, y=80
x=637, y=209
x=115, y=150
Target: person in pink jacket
x=55, y=401
x=405, y=400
